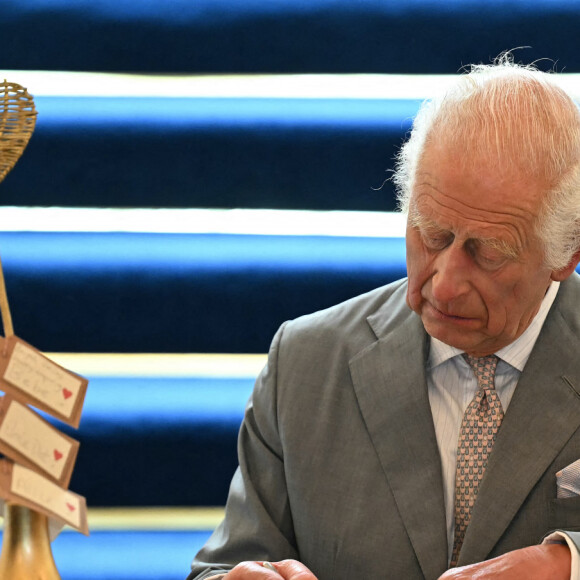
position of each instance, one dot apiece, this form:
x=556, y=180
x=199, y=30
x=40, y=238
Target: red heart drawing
x=71, y=507
x=66, y=393
x=57, y=454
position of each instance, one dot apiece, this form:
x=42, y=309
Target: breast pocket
x=565, y=514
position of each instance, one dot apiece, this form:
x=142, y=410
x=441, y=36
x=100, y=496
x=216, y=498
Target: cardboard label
x=27, y=438
x=24, y=486
x=33, y=379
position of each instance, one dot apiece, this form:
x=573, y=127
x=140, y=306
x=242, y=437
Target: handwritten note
x=31, y=486
x=36, y=441
x=41, y=378
x=34, y=379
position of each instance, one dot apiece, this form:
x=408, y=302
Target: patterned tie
x=479, y=428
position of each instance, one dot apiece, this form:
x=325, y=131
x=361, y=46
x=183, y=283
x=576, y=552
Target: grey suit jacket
x=339, y=466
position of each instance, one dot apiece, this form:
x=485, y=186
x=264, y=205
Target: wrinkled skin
x=287, y=569
x=475, y=265
x=545, y=562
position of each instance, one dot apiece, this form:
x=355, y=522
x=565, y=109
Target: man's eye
x=490, y=259
x=436, y=241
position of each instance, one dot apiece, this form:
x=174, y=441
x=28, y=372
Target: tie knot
x=483, y=367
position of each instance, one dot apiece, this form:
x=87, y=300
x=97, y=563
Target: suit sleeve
x=258, y=519
x=572, y=539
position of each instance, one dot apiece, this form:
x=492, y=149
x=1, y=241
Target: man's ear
x=559, y=275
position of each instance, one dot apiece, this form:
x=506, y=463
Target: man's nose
x=450, y=280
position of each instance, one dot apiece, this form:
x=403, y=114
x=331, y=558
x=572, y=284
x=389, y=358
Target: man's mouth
x=448, y=316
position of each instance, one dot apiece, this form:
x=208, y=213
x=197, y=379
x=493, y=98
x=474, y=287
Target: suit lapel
x=542, y=416
x=390, y=385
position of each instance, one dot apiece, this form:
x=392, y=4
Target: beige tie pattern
x=479, y=428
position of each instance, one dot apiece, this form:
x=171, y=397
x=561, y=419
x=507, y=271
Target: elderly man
x=433, y=424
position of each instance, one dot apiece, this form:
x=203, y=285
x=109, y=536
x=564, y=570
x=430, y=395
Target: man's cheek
x=495, y=317
x=409, y=299
x=414, y=297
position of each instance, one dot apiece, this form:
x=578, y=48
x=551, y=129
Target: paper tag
x=26, y=487
x=27, y=438
x=34, y=379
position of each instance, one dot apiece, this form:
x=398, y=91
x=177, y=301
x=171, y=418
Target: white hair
x=519, y=117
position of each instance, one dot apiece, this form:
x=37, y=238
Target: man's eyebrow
x=426, y=225
x=417, y=220
x=502, y=246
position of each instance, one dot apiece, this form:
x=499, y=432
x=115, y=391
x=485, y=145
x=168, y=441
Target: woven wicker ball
x=17, y=121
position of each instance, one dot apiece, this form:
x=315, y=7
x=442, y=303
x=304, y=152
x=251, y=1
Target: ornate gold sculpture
x=26, y=552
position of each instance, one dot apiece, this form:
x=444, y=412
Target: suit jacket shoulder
x=567, y=304
x=355, y=323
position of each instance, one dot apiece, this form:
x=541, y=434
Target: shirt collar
x=517, y=353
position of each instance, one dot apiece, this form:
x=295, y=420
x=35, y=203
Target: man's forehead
x=447, y=163
x=472, y=154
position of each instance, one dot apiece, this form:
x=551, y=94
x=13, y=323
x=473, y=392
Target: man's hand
x=287, y=569
x=544, y=562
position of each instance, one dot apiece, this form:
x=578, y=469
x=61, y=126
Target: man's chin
x=453, y=335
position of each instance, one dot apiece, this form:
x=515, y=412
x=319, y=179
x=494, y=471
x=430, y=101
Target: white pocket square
x=568, y=480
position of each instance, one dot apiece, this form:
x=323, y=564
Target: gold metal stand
x=26, y=553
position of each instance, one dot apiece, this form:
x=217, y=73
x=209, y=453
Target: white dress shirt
x=452, y=385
